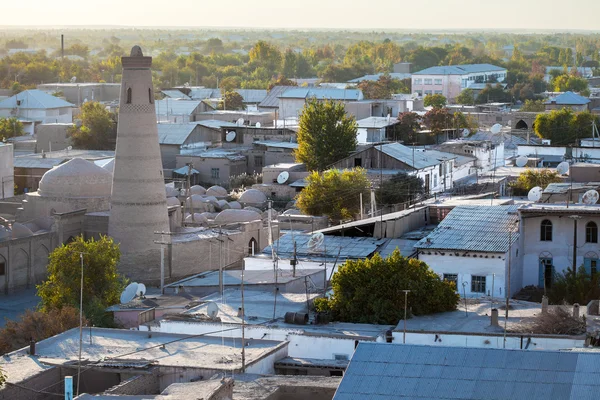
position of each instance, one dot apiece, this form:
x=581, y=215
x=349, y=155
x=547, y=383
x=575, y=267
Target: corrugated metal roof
x=175, y=94
x=375, y=77
x=417, y=158
x=34, y=99
x=272, y=99
x=321, y=94
x=174, y=133
x=459, y=69
x=384, y=371
x=376, y=122
x=215, y=124
x=274, y=143
x=51, y=159
x=253, y=96
x=474, y=228
x=176, y=107
x=205, y=93
x=568, y=98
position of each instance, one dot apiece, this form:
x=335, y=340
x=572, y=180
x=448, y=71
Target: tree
x=493, y=93
x=533, y=106
x=102, y=283
x=232, y=100
x=281, y=80
x=438, y=119
x=326, y=134
x=334, y=193
x=264, y=54
x=569, y=82
x=98, y=130
x=435, y=101
x=466, y=97
x=289, y=63
x=37, y=325
x=531, y=178
x=574, y=287
x=375, y=89
x=400, y=188
x=10, y=127
x=371, y=290
x=409, y=125
x=462, y=121
x=564, y=126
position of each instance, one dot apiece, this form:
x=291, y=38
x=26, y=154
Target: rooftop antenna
x=129, y=293
x=283, y=177
x=521, y=161
x=590, y=197
x=240, y=122
x=535, y=194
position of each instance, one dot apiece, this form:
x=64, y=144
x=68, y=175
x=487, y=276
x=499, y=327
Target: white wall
x=290, y=108
x=7, y=184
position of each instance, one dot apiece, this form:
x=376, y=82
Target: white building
x=35, y=106
x=551, y=155
x=547, y=240
x=7, y=172
x=475, y=247
x=291, y=102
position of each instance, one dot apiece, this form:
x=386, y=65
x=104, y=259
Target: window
x=546, y=272
x=2, y=268
x=358, y=162
x=591, y=232
x=435, y=180
x=546, y=231
x=590, y=263
x=428, y=92
x=258, y=161
x=438, y=81
x=478, y=284
x=419, y=93
x=340, y=357
x=252, y=247
x=150, y=97
x=214, y=173
x=440, y=171
x=129, y=96
x=451, y=278
x=428, y=81
x=438, y=92
x=418, y=81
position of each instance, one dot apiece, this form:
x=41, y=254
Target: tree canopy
x=326, y=134
x=574, y=287
x=435, y=101
x=232, y=100
x=466, y=97
x=371, y=290
x=98, y=130
x=438, y=119
x=408, y=126
x=531, y=178
x=10, y=127
x=400, y=188
x=102, y=284
x=533, y=106
x=564, y=126
x=334, y=193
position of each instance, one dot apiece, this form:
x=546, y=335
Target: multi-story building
x=452, y=79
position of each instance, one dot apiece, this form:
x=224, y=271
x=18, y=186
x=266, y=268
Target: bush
x=37, y=325
x=244, y=180
x=530, y=178
x=557, y=321
x=371, y=290
x=321, y=305
x=574, y=287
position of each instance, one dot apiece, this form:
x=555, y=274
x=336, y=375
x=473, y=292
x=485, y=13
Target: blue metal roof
x=395, y=371
x=417, y=158
x=176, y=107
x=460, y=69
x=322, y=93
x=34, y=99
x=474, y=228
x=174, y=133
x=568, y=98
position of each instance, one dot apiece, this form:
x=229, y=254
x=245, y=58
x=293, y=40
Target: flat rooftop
x=234, y=278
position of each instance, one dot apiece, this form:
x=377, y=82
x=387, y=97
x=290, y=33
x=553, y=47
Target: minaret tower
x=138, y=201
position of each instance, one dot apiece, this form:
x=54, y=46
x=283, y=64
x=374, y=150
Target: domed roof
x=197, y=189
x=216, y=191
x=76, y=178
x=231, y=215
x=20, y=231
x=252, y=196
x=4, y=233
x=173, y=201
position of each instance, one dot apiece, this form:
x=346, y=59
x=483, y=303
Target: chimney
x=494, y=321
x=575, y=310
x=31, y=346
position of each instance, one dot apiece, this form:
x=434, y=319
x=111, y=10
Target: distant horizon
x=384, y=15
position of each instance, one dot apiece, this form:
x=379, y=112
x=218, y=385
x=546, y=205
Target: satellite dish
x=129, y=293
x=521, y=161
x=283, y=177
x=74, y=79
x=69, y=148
x=240, y=122
x=562, y=168
x=465, y=132
x=258, y=125
x=316, y=241
x=141, y=289
x=212, y=310
x=496, y=128
x=590, y=197
x=230, y=136
x=535, y=194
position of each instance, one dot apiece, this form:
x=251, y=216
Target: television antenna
x=521, y=161
x=316, y=241
x=258, y=125
x=535, y=194
x=562, y=168
x=590, y=197
x=496, y=128
x=230, y=136
x=240, y=122
x=212, y=310
x=283, y=177
x=129, y=293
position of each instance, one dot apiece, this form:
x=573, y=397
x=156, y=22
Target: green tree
x=574, y=287
x=568, y=82
x=531, y=178
x=102, y=284
x=334, y=193
x=463, y=121
x=438, y=119
x=533, y=106
x=267, y=55
x=435, y=101
x=400, y=188
x=232, y=100
x=409, y=125
x=281, y=81
x=466, y=97
x=493, y=94
x=326, y=134
x=10, y=127
x=289, y=63
x=371, y=290
x=375, y=89
x=98, y=130
x=564, y=126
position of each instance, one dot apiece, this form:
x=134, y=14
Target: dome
x=292, y=211
x=136, y=51
x=216, y=191
x=223, y=205
x=20, y=231
x=199, y=219
x=235, y=205
x=4, y=233
x=76, y=178
x=253, y=196
x=258, y=210
x=173, y=201
x=197, y=189
x=232, y=216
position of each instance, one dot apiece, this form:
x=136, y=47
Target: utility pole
x=243, y=326
x=189, y=196
x=575, y=218
x=405, y=313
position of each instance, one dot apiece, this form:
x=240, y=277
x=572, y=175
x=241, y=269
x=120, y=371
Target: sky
x=312, y=14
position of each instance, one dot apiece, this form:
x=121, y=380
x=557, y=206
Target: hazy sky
x=349, y=14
